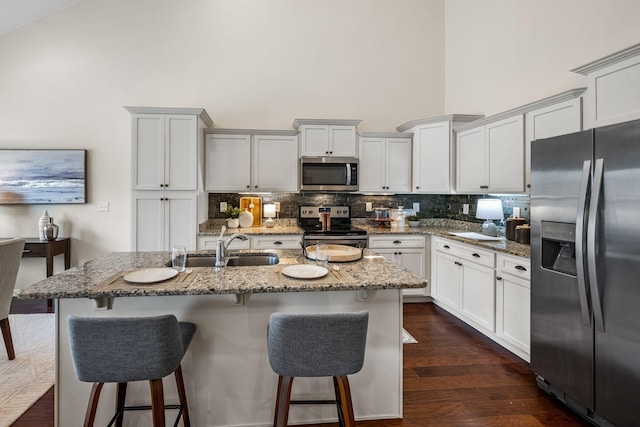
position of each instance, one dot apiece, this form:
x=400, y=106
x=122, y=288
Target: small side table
x=36, y=248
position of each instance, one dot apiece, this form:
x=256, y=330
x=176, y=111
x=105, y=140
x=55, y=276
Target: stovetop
x=340, y=220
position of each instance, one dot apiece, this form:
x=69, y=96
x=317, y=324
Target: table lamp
x=269, y=212
x=489, y=210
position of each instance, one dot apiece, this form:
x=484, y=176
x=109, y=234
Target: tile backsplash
x=431, y=205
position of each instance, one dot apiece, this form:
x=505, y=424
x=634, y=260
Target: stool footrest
x=313, y=402
x=144, y=408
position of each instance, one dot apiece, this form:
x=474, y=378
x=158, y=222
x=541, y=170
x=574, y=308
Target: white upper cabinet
x=385, y=163
x=433, y=160
x=491, y=157
x=165, y=146
x=240, y=160
x=319, y=137
x=613, y=92
x=563, y=115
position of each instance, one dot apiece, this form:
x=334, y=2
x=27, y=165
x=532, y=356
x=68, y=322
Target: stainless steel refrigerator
x=585, y=279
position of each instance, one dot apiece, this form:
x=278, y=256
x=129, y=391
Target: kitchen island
x=227, y=375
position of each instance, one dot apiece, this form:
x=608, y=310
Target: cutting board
x=253, y=205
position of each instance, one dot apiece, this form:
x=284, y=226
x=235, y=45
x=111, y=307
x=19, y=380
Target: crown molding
x=461, y=118
x=385, y=134
x=221, y=131
x=613, y=58
x=200, y=112
x=339, y=122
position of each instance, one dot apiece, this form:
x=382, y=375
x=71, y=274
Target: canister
x=510, y=229
x=523, y=233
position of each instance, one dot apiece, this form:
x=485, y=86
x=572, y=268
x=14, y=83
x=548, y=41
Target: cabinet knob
x=330, y=152
x=326, y=152
x=161, y=185
x=521, y=268
x=417, y=187
x=248, y=186
x=528, y=185
x=498, y=278
x=166, y=185
x=255, y=186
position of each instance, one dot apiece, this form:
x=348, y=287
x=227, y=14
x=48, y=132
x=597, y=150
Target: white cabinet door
x=398, y=164
x=478, y=294
x=432, y=158
x=148, y=151
x=328, y=140
x=228, y=163
x=558, y=119
x=471, y=166
x=275, y=163
x=164, y=220
x=165, y=152
x=413, y=260
x=446, y=278
x=505, y=154
x=342, y=141
x=372, y=165
x=181, y=152
x=314, y=140
x=514, y=309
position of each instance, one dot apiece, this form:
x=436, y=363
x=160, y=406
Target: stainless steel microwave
x=328, y=174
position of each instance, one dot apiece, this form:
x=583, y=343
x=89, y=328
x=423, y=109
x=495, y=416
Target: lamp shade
x=489, y=209
x=269, y=210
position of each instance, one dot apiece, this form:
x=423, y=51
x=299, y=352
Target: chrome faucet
x=222, y=245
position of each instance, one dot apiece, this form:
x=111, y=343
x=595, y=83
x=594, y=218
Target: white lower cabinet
x=163, y=220
x=282, y=241
x=513, y=302
x=488, y=291
x=407, y=251
x=464, y=281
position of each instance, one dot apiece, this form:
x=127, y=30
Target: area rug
x=26, y=378
x=407, y=338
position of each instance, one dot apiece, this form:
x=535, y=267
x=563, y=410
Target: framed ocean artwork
x=43, y=176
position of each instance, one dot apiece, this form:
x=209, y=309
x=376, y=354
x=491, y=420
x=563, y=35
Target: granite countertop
x=89, y=279
x=441, y=227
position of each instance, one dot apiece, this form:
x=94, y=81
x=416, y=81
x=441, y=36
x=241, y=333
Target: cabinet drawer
x=515, y=266
x=276, y=242
x=208, y=243
x=466, y=252
x=396, y=241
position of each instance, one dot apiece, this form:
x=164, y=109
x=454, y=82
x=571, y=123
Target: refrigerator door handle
x=592, y=225
x=581, y=231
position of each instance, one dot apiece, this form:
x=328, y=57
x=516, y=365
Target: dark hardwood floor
x=454, y=376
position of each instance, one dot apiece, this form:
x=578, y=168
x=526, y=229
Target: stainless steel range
x=331, y=225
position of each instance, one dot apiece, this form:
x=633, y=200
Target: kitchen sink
x=249, y=259
x=236, y=260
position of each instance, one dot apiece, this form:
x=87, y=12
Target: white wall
x=249, y=63
x=503, y=53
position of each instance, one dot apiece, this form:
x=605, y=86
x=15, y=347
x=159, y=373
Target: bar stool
x=316, y=345
x=123, y=349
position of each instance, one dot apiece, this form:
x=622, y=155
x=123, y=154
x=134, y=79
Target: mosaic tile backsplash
x=431, y=205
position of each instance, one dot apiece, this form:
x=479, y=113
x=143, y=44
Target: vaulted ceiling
x=17, y=13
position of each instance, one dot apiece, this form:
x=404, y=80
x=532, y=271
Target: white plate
x=150, y=275
x=305, y=271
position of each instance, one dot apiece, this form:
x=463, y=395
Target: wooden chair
x=124, y=349
x=10, y=254
x=316, y=345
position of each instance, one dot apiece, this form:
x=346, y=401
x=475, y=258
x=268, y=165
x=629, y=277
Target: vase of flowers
x=232, y=216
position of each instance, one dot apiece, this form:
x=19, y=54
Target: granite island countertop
x=90, y=279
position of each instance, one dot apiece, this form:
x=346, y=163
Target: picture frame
x=43, y=176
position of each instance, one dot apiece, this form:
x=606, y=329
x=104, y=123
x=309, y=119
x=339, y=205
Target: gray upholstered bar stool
x=124, y=349
x=316, y=345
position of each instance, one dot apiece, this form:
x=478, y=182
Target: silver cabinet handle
x=277, y=242
x=521, y=268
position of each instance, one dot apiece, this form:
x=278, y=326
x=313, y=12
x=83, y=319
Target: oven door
x=355, y=241
x=328, y=174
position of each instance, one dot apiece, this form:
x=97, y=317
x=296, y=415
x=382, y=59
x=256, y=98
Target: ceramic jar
x=233, y=223
x=43, y=222
x=245, y=218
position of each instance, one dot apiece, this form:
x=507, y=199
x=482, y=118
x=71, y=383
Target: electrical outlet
x=465, y=208
x=368, y=206
x=416, y=207
x=277, y=206
x=103, y=206
x=516, y=212
x=223, y=206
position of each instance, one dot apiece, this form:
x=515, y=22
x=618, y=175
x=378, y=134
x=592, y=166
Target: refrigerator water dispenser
x=559, y=247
